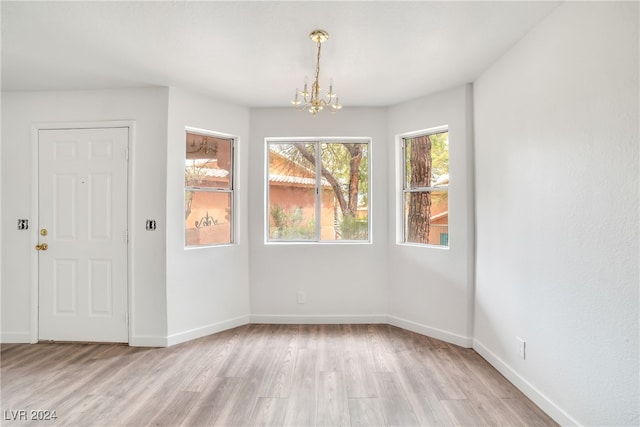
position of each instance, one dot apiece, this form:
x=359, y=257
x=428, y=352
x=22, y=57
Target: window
x=318, y=190
x=425, y=188
x=208, y=189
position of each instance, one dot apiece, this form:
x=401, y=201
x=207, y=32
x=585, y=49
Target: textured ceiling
x=256, y=53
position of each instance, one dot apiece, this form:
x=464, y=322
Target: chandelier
x=312, y=100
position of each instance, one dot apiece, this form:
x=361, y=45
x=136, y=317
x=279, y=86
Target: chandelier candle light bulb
x=312, y=100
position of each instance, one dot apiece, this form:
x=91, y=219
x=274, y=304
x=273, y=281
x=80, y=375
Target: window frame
x=231, y=190
x=402, y=190
x=318, y=141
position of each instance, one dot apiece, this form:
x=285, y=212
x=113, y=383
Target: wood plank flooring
x=264, y=375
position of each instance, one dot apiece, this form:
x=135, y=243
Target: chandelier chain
x=317, y=81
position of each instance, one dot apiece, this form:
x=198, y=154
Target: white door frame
x=35, y=226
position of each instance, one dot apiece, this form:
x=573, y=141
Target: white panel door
x=82, y=202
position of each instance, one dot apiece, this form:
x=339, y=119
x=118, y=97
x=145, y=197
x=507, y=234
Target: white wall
x=342, y=282
x=556, y=134
x=207, y=288
x=148, y=108
x=431, y=289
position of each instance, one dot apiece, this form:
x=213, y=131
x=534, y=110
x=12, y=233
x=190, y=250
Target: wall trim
x=203, y=331
x=432, y=332
x=539, y=398
x=318, y=319
x=15, y=337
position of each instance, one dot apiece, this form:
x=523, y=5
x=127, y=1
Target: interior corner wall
x=148, y=109
x=431, y=288
x=207, y=287
x=556, y=134
x=343, y=282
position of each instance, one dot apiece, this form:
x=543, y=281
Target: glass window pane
x=295, y=189
x=292, y=183
x=208, y=161
x=426, y=160
x=207, y=217
x=426, y=217
x=345, y=191
x=292, y=213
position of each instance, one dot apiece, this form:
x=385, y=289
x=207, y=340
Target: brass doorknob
x=42, y=247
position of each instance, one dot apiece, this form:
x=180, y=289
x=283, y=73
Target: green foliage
x=336, y=158
x=354, y=229
x=439, y=154
x=440, y=163
x=289, y=225
x=344, y=168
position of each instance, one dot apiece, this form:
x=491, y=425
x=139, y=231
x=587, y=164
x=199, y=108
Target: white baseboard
x=15, y=337
x=429, y=331
x=318, y=319
x=553, y=410
x=207, y=330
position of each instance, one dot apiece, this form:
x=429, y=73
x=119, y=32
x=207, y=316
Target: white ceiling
x=255, y=53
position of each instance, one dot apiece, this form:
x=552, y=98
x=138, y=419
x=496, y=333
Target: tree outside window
x=318, y=190
x=426, y=188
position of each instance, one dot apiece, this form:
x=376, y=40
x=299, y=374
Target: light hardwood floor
x=264, y=375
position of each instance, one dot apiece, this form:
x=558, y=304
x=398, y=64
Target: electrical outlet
x=301, y=297
x=522, y=346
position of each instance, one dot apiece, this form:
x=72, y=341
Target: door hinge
x=126, y=236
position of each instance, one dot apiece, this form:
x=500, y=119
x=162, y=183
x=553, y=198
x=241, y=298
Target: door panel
x=82, y=200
